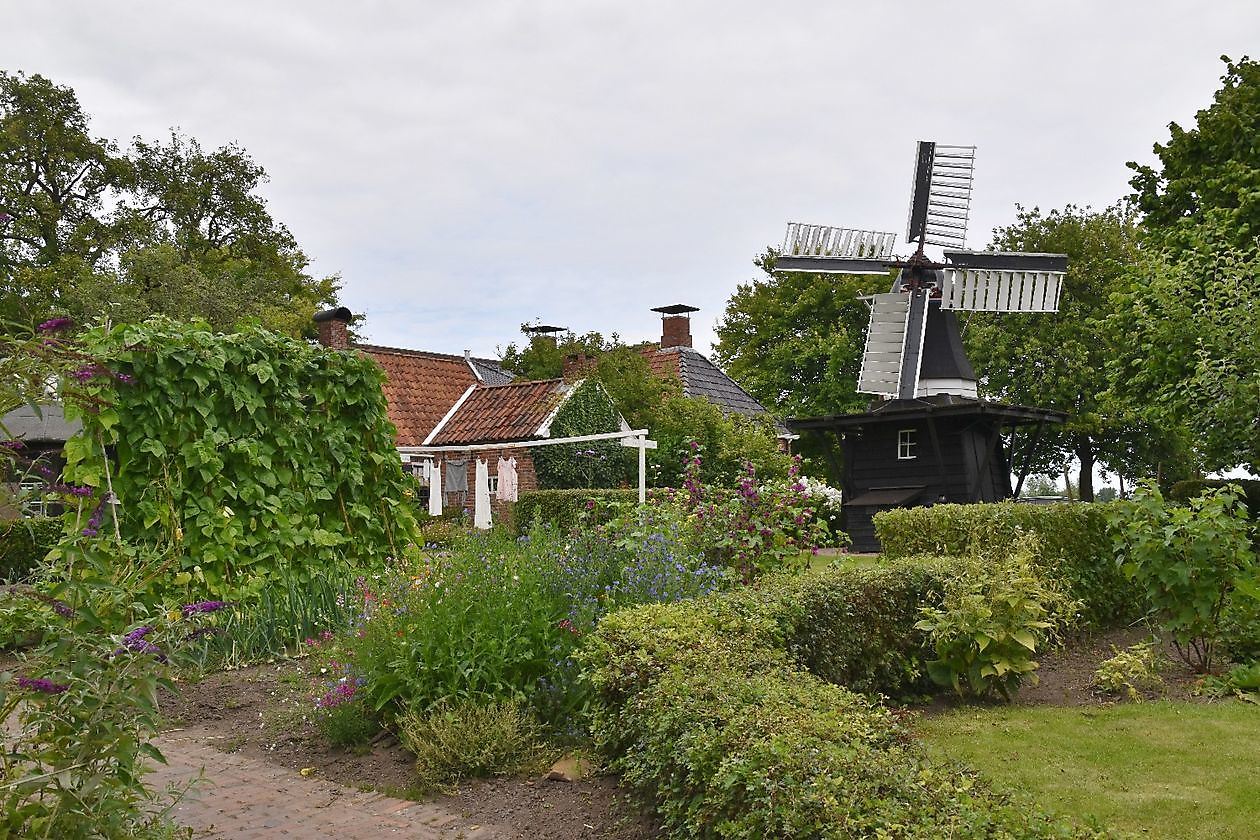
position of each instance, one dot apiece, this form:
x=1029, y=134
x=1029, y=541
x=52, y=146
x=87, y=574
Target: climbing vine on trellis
x=602, y=463
x=251, y=455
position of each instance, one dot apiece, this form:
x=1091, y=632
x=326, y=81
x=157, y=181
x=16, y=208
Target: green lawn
x=1171, y=770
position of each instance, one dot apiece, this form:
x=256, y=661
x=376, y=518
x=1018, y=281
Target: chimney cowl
x=334, y=328
x=675, y=324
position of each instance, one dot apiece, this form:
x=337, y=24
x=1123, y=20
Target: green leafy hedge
x=23, y=543
x=1076, y=547
x=701, y=706
x=562, y=508
x=854, y=626
x=1183, y=491
x=597, y=463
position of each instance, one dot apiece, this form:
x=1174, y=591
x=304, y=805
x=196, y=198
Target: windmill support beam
x=1028, y=455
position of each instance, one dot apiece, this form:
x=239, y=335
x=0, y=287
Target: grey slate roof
x=701, y=378
x=48, y=425
x=492, y=373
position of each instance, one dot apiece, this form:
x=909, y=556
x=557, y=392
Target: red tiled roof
x=499, y=413
x=664, y=363
x=419, y=388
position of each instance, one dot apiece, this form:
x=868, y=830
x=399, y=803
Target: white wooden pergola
x=634, y=439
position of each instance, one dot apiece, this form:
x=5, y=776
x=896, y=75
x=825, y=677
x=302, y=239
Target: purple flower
x=138, y=633
x=15, y=445
x=125, y=378
x=84, y=374
x=55, y=325
x=46, y=686
x=204, y=607
x=90, y=532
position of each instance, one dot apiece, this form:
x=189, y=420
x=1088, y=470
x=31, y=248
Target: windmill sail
x=941, y=199
x=894, y=344
x=990, y=281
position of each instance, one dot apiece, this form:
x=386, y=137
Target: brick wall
x=526, y=477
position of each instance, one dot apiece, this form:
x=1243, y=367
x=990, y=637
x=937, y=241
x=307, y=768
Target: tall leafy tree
x=542, y=356
x=1208, y=178
x=1057, y=360
x=794, y=340
x=56, y=185
x=168, y=228
x=1187, y=333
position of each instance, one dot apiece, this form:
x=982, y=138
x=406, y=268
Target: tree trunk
x=1085, y=454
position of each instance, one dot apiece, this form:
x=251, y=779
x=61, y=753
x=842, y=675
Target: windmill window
x=906, y=445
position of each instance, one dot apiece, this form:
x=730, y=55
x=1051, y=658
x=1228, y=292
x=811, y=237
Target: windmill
x=914, y=358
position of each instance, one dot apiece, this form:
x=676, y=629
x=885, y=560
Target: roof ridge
x=404, y=351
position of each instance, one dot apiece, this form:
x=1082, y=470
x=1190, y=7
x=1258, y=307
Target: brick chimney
x=334, y=328
x=578, y=365
x=675, y=324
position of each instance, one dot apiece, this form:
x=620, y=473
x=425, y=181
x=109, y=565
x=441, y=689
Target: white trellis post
x=642, y=444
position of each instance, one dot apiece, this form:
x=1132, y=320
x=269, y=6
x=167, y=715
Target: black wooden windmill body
x=928, y=438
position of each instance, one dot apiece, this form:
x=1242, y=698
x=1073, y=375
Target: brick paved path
x=244, y=798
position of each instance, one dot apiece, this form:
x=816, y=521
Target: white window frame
x=906, y=444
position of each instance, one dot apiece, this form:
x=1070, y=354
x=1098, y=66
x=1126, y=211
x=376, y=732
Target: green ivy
x=594, y=464
x=247, y=456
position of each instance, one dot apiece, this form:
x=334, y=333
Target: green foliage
x=166, y=228
x=251, y=456
x=1188, y=561
x=729, y=442
x=497, y=619
x=543, y=356
x=636, y=391
x=1075, y=548
x=1183, y=491
x=794, y=341
x=83, y=701
x=993, y=617
x=1132, y=672
x=347, y=724
x=1176, y=347
x=564, y=509
x=701, y=709
x=458, y=739
x=1056, y=360
x=1208, y=175
x=594, y=464
x=854, y=625
x=23, y=544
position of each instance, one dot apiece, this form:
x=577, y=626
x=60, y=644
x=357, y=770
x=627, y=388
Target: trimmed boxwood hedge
x=561, y=508
x=701, y=706
x=23, y=544
x=1076, y=547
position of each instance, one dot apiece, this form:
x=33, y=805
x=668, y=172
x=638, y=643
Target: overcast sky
x=469, y=166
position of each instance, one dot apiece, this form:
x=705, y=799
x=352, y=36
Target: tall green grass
x=280, y=619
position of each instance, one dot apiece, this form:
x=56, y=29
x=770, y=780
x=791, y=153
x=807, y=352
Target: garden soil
x=263, y=712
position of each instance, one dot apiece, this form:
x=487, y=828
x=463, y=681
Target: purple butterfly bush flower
x=204, y=607
x=46, y=686
x=55, y=325
x=15, y=445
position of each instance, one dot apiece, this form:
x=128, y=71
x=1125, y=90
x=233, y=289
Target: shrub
x=1131, y=672
x=1076, y=547
x=496, y=619
x=346, y=724
x=1189, y=561
x=461, y=738
x=854, y=626
x=563, y=509
x=994, y=616
x=23, y=544
x=1183, y=491
x=702, y=709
